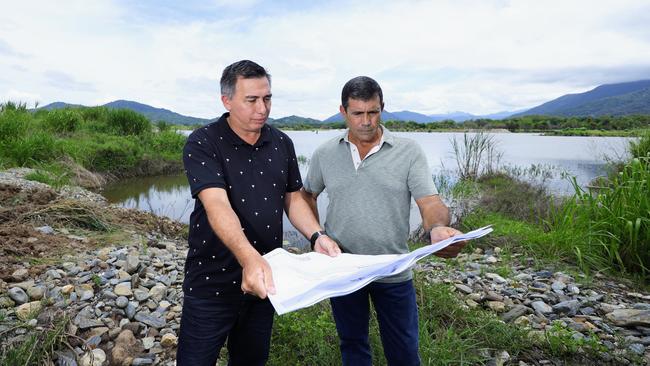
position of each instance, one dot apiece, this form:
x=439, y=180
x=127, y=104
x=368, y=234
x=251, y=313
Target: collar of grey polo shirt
x=233, y=138
x=386, y=136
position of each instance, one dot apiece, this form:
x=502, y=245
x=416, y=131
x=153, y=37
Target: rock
x=471, y=303
x=121, y=302
x=168, y=340
x=28, y=310
x=47, y=230
x=514, y=313
x=132, y=263
x=569, y=308
x=629, y=317
x=148, y=342
x=497, y=306
x=131, y=308
x=18, y=295
x=123, y=289
x=608, y=308
x=6, y=302
x=52, y=274
x=496, y=278
x=20, y=274
x=152, y=319
x=125, y=348
x=158, y=292
x=523, y=277
x=36, y=292
x=141, y=361
x=558, y=286
x=67, y=289
x=541, y=307
x=95, y=358
x=573, y=289
x=85, y=292
x=636, y=348
x=463, y=288
x=140, y=294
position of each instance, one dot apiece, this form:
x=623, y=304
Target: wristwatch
x=315, y=237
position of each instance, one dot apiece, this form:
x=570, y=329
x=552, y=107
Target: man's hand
x=325, y=245
x=257, y=278
x=439, y=233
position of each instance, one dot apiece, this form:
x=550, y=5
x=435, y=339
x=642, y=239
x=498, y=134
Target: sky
x=429, y=57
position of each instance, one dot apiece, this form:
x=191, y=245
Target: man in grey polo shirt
x=370, y=176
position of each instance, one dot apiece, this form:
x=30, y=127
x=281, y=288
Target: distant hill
x=609, y=99
x=424, y=118
x=152, y=113
x=294, y=120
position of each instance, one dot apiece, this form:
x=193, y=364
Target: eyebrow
x=256, y=96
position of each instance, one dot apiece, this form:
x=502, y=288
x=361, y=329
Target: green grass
x=37, y=346
x=450, y=333
x=119, y=142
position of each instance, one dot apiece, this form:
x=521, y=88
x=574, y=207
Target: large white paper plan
x=301, y=280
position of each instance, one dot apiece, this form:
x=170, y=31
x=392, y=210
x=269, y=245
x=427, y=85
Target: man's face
x=362, y=118
x=250, y=105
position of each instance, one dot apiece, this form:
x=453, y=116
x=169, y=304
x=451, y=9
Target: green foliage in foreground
x=119, y=142
x=449, y=333
x=37, y=346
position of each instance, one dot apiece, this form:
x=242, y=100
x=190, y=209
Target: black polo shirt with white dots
x=256, y=179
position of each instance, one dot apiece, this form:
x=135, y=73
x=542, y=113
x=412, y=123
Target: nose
x=261, y=106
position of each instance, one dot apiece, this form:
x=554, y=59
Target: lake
x=582, y=157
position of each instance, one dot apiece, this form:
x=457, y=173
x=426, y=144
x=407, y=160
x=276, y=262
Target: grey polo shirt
x=369, y=207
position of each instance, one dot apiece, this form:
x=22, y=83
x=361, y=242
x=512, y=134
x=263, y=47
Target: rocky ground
x=122, y=293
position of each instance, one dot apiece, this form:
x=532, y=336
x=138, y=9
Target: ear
x=226, y=102
x=343, y=113
x=382, y=106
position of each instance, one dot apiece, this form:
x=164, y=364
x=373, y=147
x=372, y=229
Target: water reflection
x=582, y=157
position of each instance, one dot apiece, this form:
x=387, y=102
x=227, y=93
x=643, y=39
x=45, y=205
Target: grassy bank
x=66, y=144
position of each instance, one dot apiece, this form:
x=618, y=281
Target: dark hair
x=245, y=69
x=362, y=88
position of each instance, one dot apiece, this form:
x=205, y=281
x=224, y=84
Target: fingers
x=257, y=279
x=327, y=246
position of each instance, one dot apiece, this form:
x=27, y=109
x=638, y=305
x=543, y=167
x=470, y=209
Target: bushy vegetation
x=119, y=142
x=598, y=228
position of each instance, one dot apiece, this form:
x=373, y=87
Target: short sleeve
x=420, y=181
x=293, y=176
x=202, y=164
x=314, y=181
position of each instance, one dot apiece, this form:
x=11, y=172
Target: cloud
x=429, y=56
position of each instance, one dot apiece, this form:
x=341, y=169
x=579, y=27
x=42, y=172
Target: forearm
x=302, y=212
x=434, y=213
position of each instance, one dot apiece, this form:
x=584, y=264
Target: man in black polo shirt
x=244, y=174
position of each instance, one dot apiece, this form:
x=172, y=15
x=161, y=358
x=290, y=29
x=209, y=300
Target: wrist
x=314, y=237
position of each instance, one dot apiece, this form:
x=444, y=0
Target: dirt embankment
x=39, y=224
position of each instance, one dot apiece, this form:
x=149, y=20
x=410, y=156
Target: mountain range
x=608, y=99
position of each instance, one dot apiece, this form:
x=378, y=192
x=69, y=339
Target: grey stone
x=629, y=317
x=567, y=307
x=158, y=292
x=463, y=288
x=541, y=307
x=47, y=230
x=543, y=274
x=130, y=309
x=148, y=342
x=152, y=319
x=132, y=263
x=140, y=294
x=496, y=278
x=141, y=361
x=52, y=274
x=558, y=286
x=36, y=292
x=514, y=313
x=641, y=306
x=18, y=295
x=20, y=274
x=636, y=348
x=6, y=302
x=121, y=302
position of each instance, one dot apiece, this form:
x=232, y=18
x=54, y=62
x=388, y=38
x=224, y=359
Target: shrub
x=13, y=124
x=37, y=147
x=163, y=126
x=62, y=120
x=114, y=154
x=476, y=154
x=128, y=122
x=641, y=148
